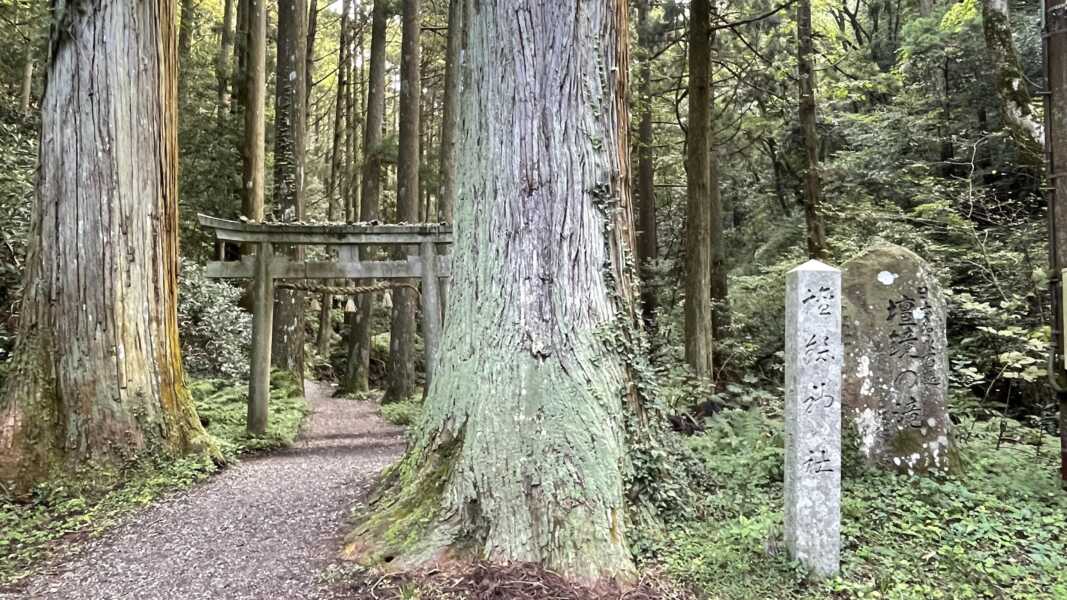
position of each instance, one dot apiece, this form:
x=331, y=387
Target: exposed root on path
x=485, y=581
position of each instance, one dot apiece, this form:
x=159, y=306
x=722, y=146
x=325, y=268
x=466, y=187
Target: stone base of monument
x=895, y=385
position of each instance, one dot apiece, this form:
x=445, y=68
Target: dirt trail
x=264, y=529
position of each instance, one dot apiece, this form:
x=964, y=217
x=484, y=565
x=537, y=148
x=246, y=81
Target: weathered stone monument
x=813, y=358
x=896, y=368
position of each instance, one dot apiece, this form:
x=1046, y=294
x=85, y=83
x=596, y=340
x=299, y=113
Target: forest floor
x=267, y=528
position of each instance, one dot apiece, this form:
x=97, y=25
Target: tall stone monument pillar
x=813, y=359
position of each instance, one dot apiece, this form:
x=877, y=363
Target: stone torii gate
x=264, y=268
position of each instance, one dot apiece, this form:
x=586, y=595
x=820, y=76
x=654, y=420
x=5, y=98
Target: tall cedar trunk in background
x=698, y=313
x=222, y=61
x=454, y=48
x=1056, y=146
x=309, y=60
x=446, y=195
x=720, y=300
x=353, y=119
x=26, y=93
x=240, y=52
x=647, y=240
x=254, y=96
x=1010, y=83
x=357, y=367
x=720, y=303
x=287, y=352
x=521, y=450
x=185, y=47
x=400, y=380
x=816, y=235
x=98, y=375
x=337, y=167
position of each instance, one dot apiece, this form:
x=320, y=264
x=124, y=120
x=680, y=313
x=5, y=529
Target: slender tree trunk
x=1056, y=147
x=446, y=196
x=240, y=52
x=255, y=97
x=647, y=239
x=27, y=79
x=720, y=303
x=185, y=46
x=357, y=368
x=351, y=185
x=698, y=312
x=309, y=66
x=521, y=450
x=97, y=375
x=806, y=93
x=222, y=61
x=289, y=121
x=400, y=382
x=1010, y=83
x=337, y=168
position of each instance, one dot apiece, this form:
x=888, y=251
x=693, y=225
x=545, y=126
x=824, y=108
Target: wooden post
x=262, y=326
x=431, y=307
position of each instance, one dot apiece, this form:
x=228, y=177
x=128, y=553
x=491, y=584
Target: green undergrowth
x=63, y=511
x=223, y=408
x=999, y=530
x=404, y=414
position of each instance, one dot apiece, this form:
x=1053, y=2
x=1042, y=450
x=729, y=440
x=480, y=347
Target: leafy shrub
x=216, y=334
x=18, y=156
x=404, y=413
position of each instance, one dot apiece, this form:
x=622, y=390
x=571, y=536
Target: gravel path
x=261, y=530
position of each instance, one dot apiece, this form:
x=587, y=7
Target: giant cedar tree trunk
x=522, y=448
x=97, y=373
x=357, y=367
x=289, y=121
x=698, y=315
x=400, y=381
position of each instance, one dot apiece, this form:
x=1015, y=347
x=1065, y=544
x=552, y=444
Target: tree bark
x=806, y=92
x=647, y=239
x=400, y=380
x=255, y=98
x=357, y=367
x=522, y=447
x=1010, y=82
x=97, y=374
x=290, y=119
x=222, y=62
x=698, y=311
